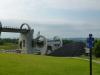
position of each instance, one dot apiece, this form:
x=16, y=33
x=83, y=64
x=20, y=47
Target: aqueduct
x=26, y=36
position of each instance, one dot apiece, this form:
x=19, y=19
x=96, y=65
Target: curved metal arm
x=29, y=28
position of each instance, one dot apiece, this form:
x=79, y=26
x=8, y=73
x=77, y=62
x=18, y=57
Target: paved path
x=98, y=62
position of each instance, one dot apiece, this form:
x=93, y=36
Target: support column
x=25, y=42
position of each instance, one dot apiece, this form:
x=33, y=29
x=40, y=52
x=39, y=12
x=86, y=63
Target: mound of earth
x=71, y=49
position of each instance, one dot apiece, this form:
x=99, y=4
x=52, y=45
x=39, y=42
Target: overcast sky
x=65, y=18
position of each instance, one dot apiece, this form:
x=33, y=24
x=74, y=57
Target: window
x=21, y=44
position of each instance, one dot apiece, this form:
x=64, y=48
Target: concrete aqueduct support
x=25, y=40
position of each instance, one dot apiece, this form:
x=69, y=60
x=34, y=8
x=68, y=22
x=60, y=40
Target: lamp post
x=90, y=42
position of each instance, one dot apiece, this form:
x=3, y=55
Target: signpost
x=90, y=42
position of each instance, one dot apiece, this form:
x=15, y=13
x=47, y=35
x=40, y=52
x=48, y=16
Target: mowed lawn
x=28, y=64
x=98, y=59
x=8, y=46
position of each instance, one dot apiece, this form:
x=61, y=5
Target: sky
x=63, y=18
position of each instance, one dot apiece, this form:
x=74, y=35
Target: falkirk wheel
x=27, y=44
x=45, y=46
x=54, y=44
x=25, y=39
x=41, y=44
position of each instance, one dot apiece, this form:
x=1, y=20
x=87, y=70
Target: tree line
x=8, y=40
x=96, y=49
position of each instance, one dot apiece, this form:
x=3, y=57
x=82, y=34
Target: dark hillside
x=70, y=49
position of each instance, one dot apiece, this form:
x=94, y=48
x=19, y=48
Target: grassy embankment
x=24, y=64
x=8, y=46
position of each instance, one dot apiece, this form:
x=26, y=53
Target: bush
x=1, y=42
x=97, y=49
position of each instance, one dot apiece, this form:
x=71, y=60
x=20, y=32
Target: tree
x=1, y=42
x=66, y=41
x=97, y=48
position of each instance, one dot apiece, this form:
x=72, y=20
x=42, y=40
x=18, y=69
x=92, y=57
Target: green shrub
x=1, y=42
x=97, y=49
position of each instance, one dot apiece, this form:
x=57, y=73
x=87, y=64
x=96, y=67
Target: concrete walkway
x=98, y=62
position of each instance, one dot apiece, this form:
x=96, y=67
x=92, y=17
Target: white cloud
x=19, y=9
x=74, y=4
x=34, y=11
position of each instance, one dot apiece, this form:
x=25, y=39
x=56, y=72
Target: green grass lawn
x=25, y=64
x=98, y=59
x=8, y=46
